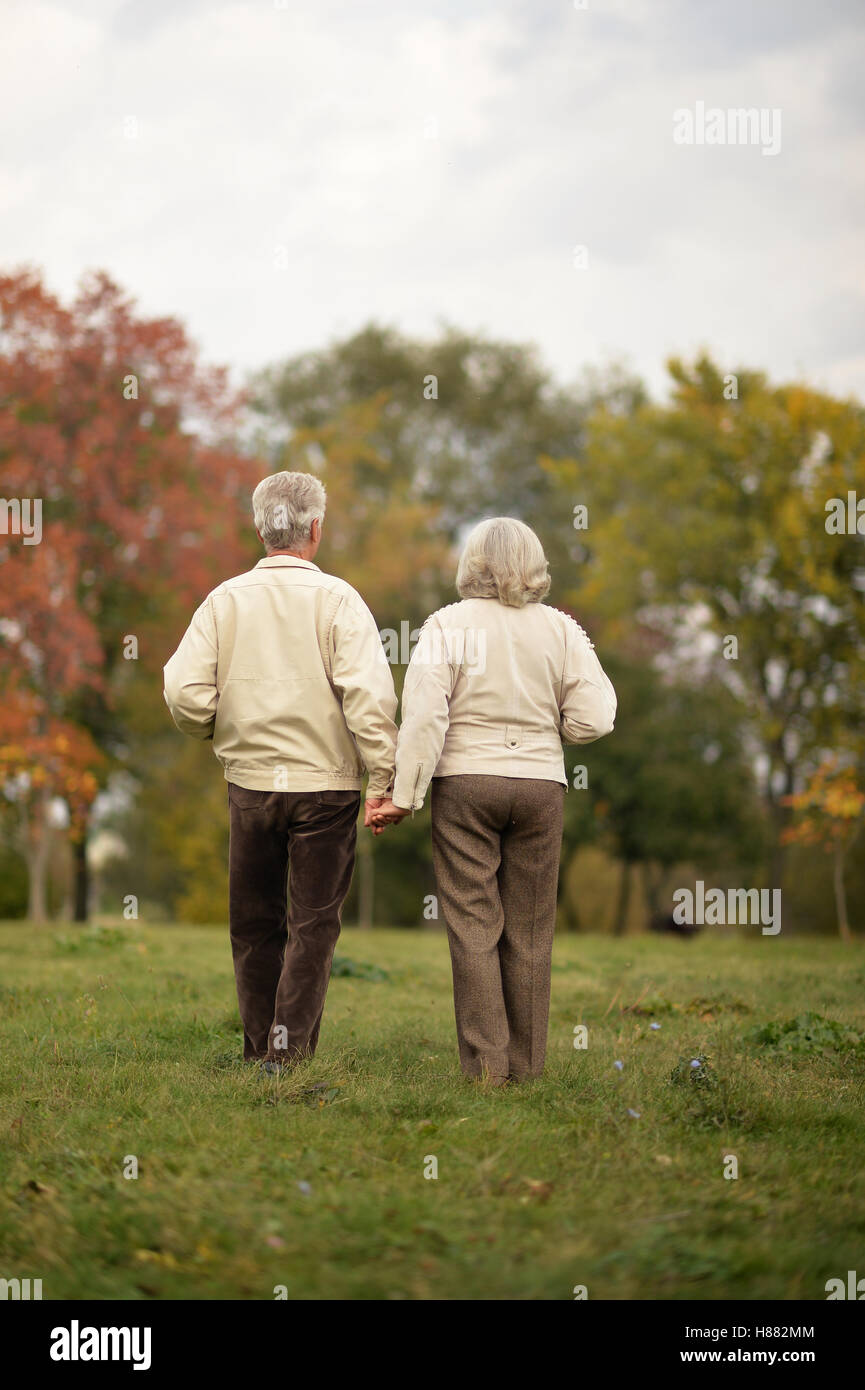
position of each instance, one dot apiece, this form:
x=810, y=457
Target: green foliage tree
x=707, y=522
x=176, y=830
x=671, y=786
x=463, y=423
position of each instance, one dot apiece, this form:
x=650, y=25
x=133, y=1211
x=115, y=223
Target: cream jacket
x=493, y=689
x=284, y=669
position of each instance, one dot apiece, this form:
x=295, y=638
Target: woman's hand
x=386, y=814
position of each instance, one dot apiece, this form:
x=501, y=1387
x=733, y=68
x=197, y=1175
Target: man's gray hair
x=284, y=507
x=503, y=559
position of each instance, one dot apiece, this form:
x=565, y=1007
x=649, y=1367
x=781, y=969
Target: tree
x=830, y=811
x=707, y=520
x=108, y=421
x=462, y=421
x=42, y=758
x=670, y=786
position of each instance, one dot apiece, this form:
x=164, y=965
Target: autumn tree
x=829, y=811
x=42, y=758
x=124, y=442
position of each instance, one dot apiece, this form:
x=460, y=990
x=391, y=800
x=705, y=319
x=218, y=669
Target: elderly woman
x=495, y=684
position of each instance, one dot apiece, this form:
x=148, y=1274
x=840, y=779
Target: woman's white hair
x=503, y=558
x=284, y=507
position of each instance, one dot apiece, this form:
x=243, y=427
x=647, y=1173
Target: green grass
x=126, y=1042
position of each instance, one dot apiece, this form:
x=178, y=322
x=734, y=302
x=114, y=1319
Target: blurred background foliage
x=705, y=522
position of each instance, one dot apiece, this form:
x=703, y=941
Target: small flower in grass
x=655, y=1026
x=305, y=1188
x=634, y=1114
x=620, y=1066
x=696, y=1062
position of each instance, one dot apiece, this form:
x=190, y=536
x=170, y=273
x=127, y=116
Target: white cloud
x=281, y=189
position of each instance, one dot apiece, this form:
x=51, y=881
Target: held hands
x=389, y=814
x=379, y=812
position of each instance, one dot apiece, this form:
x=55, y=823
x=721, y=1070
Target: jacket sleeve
x=190, y=676
x=362, y=679
x=588, y=701
x=429, y=684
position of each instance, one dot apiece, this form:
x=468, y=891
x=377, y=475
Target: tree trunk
x=81, y=898
x=777, y=860
x=780, y=817
x=365, y=882
x=653, y=875
x=620, y=922
x=567, y=912
x=36, y=895
x=37, y=853
x=841, y=896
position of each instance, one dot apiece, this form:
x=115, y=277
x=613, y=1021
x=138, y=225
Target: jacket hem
x=501, y=767
x=254, y=780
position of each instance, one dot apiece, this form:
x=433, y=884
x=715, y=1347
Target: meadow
x=121, y=1050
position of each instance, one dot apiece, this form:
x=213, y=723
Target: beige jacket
x=493, y=689
x=284, y=669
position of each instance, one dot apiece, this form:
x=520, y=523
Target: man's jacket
x=284, y=669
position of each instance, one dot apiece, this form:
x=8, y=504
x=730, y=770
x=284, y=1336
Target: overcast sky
x=277, y=174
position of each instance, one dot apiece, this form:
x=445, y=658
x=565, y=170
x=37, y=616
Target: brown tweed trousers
x=282, y=960
x=496, y=846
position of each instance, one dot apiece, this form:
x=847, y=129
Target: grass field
x=125, y=1041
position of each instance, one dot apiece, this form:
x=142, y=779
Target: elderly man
x=284, y=669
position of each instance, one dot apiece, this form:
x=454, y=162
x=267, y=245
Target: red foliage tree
x=126, y=442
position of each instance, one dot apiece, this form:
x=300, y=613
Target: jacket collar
x=293, y=560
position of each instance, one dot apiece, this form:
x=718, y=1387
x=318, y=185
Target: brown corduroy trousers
x=496, y=847
x=282, y=959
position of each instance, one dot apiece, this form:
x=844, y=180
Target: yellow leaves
x=48, y=754
x=829, y=808
x=844, y=801
x=792, y=520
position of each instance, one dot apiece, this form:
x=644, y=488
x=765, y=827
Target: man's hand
x=370, y=808
x=387, y=814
